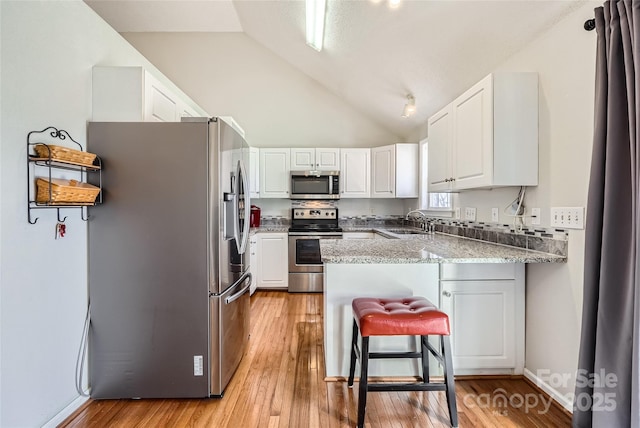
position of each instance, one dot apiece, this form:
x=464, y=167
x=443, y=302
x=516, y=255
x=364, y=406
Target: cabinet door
x=254, y=260
x=328, y=159
x=483, y=323
x=303, y=159
x=355, y=177
x=160, y=105
x=273, y=270
x=439, y=149
x=383, y=172
x=274, y=173
x=407, y=170
x=473, y=136
x=254, y=172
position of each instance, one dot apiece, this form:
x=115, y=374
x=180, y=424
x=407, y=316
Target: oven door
x=304, y=251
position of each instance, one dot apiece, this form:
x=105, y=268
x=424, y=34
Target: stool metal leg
x=354, y=344
x=364, y=368
x=448, y=380
x=425, y=358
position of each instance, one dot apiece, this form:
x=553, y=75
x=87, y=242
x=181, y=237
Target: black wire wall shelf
x=49, y=163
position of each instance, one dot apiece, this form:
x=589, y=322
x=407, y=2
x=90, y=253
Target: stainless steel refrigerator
x=168, y=270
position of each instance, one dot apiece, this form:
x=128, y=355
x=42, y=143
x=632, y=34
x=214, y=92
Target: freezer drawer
x=229, y=333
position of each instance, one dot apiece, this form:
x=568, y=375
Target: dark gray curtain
x=607, y=381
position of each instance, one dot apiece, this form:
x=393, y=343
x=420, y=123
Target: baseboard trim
x=75, y=406
x=559, y=400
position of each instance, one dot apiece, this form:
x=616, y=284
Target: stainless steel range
x=308, y=227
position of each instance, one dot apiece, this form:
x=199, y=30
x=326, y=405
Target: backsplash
x=546, y=240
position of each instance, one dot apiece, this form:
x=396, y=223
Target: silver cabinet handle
x=446, y=294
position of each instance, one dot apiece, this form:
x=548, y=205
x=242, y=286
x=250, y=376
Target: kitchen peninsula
x=480, y=285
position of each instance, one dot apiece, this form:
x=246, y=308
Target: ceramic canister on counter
x=254, y=220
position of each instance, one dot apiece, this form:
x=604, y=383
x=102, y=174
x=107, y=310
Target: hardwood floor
x=280, y=383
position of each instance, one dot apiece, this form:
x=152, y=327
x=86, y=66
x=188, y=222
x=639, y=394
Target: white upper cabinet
x=394, y=171
x=274, y=173
x=440, y=142
x=407, y=170
x=492, y=134
x=254, y=172
x=355, y=175
x=383, y=172
x=132, y=94
x=320, y=159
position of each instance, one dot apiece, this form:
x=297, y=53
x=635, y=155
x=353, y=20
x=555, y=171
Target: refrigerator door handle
x=247, y=206
x=239, y=294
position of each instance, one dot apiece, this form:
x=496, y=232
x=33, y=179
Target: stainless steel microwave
x=315, y=185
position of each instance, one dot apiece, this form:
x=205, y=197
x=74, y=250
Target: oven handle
x=316, y=234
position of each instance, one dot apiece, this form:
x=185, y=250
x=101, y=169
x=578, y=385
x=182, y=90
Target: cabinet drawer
x=464, y=271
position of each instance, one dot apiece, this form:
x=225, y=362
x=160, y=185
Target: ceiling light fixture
x=316, y=10
x=394, y=4
x=409, y=107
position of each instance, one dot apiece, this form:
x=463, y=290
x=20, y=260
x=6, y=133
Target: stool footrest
x=395, y=355
x=374, y=387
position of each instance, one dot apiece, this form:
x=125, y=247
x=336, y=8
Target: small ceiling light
x=409, y=107
x=316, y=10
x=393, y=4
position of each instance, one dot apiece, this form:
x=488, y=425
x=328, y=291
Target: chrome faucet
x=423, y=215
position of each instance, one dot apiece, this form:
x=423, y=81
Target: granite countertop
x=426, y=248
x=269, y=228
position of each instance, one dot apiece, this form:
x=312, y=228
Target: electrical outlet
x=457, y=213
x=567, y=218
x=535, y=215
x=494, y=215
x=470, y=214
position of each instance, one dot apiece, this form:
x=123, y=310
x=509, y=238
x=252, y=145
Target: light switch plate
x=457, y=212
x=494, y=215
x=470, y=214
x=567, y=217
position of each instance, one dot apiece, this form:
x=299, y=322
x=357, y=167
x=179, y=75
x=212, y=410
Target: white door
x=274, y=173
x=483, y=323
x=383, y=172
x=159, y=103
x=473, y=136
x=303, y=159
x=439, y=159
x=328, y=159
x=254, y=172
x=254, y=260
x=273, y=268
x=355, y=176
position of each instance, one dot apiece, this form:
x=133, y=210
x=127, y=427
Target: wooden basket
x=65, y=192
x=64, y=154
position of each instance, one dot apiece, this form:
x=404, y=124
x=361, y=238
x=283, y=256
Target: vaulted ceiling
x=373, y=55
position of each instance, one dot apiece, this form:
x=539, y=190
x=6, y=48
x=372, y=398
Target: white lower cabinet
x=253, y=262
x=485, y=304
x=273, y=258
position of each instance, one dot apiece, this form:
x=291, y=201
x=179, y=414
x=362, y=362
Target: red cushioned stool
x=405, y=316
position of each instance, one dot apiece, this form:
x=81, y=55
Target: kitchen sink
x=405, y=231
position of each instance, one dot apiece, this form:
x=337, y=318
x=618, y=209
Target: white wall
x=48, y=50
x=564, y=57
x=276, y=104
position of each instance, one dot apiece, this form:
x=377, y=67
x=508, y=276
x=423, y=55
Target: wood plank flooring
x=280, y=383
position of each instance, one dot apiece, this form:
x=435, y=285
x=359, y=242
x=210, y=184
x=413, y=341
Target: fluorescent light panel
x=316, y=10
